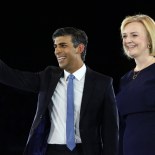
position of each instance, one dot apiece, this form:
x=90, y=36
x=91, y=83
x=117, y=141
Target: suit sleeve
x=18, y=79
x=110, y=125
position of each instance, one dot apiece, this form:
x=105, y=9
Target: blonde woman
x=136, y=96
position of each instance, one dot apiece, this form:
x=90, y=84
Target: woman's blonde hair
x=149, y=25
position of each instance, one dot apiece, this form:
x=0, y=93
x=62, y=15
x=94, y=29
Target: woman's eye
x=124, y=37
x=134, y=35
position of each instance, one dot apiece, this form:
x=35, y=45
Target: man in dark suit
x=95, y=111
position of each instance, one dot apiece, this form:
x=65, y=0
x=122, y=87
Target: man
x=95, y=113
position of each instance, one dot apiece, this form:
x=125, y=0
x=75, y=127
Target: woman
x=136, y=96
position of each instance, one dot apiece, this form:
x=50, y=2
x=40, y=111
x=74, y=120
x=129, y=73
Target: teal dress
x=136, y=106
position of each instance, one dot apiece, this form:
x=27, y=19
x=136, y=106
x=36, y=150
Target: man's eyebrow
x=62, y=43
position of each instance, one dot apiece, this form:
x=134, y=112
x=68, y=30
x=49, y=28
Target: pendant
x=135, y=74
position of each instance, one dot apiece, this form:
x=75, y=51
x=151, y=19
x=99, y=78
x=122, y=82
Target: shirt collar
x=78, y=74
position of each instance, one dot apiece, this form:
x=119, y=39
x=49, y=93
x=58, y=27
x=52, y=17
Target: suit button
x=41, y=116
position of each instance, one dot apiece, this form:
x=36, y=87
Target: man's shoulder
x=54, y=70
x=99, y=75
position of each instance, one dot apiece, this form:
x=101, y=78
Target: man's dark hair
x=78, y=37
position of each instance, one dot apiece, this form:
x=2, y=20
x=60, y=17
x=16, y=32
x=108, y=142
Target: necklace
x=135, y=74
x=146, y=64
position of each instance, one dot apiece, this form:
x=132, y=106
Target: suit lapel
x=88, y=89
x=55, y=76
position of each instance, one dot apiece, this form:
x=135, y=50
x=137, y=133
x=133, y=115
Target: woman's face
x=135, y=39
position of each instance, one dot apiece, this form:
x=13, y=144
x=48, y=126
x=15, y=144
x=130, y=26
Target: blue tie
x=70, y=134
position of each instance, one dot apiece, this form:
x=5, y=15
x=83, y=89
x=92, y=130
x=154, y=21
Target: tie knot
x=71, y=76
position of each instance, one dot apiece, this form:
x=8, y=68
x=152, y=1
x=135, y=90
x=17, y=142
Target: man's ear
x=81, y=48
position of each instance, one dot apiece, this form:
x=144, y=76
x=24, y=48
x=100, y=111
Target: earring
x=148, y=46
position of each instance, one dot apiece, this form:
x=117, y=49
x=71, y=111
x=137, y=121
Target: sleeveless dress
x=136, y=106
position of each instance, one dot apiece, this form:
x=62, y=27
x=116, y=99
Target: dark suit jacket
x=98, y=116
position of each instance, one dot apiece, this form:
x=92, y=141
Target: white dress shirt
x=58, y=112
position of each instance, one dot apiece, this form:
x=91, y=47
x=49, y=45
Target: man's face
x=69, y=57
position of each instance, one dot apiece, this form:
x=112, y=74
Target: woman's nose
x=128, y=40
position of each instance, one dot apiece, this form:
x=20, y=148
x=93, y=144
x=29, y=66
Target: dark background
x=26, y=44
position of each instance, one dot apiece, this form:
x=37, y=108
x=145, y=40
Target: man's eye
x=54, y=46
x=63, y=46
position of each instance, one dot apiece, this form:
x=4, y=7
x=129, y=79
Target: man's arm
x=110, y=132
x=18, y=79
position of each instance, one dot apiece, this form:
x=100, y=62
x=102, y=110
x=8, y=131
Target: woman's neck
x=143, y=63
